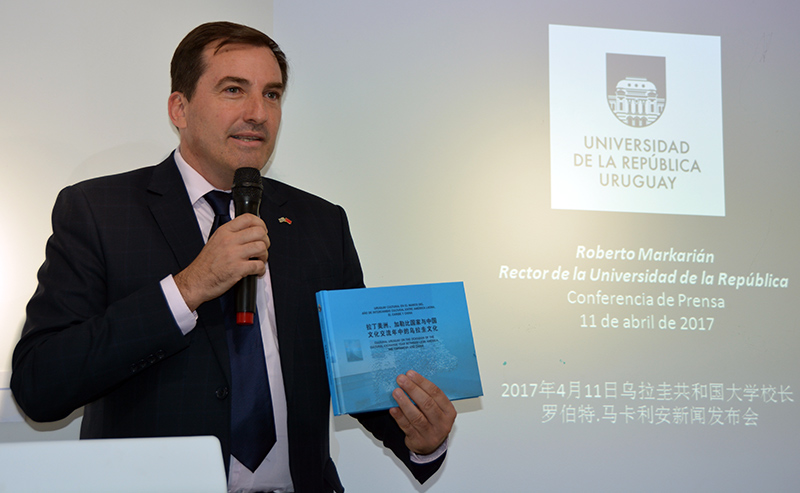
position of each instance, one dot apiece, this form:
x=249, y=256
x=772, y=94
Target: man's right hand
x=235, y=250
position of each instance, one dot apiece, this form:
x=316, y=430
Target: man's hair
x=188, y=63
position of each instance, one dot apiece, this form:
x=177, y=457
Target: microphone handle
x=245, y=291
x=245, y=294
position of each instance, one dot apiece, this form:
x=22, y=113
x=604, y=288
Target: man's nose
x=256, y=109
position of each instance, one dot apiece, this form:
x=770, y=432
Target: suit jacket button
x=222, y=393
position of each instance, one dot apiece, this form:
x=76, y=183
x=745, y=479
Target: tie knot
x=220, y=202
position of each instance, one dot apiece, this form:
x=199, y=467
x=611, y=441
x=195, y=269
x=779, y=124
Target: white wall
x=430, y=123
x=85, y=87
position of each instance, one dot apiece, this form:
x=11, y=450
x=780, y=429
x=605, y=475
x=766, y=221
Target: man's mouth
x=245, y=138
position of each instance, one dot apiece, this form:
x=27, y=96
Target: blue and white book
x=372, y=335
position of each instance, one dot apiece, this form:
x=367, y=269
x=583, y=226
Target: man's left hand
x=427, y=423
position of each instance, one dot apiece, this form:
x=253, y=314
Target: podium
x=135, y=465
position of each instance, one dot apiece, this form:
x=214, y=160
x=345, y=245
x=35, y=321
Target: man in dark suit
x=127, y=319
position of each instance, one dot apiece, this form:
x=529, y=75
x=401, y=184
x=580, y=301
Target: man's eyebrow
x=232, y=80
x=275, y=85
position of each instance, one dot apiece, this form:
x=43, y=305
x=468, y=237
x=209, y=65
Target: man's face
x=233, y=117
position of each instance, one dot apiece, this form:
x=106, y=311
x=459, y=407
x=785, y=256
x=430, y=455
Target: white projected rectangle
x=472, y=141
x=617, y=141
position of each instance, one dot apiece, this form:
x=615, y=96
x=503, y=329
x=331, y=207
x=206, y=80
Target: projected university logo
x=637, y=88
x=615, y=143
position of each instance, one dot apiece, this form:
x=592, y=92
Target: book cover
x=372, y=335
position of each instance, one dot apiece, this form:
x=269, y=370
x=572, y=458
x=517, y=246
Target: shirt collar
x=196, y=185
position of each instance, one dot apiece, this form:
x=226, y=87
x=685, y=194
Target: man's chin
x=251, y=160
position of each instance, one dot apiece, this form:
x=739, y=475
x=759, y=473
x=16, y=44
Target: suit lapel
x=169, y=203
x=283, y=271
x=170, y=206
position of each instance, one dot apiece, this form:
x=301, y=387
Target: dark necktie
x=252, y=420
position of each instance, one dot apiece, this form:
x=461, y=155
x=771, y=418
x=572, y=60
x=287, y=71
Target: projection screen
x=614, y=182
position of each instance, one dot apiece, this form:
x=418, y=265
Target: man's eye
x=273, y=95
x=233, y=90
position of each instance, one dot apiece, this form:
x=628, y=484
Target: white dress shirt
x=273, y=474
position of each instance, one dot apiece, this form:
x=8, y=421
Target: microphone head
x=246, y=191
x=247, y=177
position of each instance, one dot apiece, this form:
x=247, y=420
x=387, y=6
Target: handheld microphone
x=247, y=189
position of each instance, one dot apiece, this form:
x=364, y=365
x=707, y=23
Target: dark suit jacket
x=99, y=332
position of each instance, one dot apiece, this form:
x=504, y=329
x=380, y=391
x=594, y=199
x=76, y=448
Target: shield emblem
x=636, y=88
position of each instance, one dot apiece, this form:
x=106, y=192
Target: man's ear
x=176, y=106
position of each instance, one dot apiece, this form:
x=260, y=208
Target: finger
x=405, y=405
x=257, y=238
x=430, y=400
x=245, y=221
x=256, y=249
x=428, y=397
x=417, y=407
x=406, y=414
x=231, y=255
x=422, y=436
x=242, y=239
